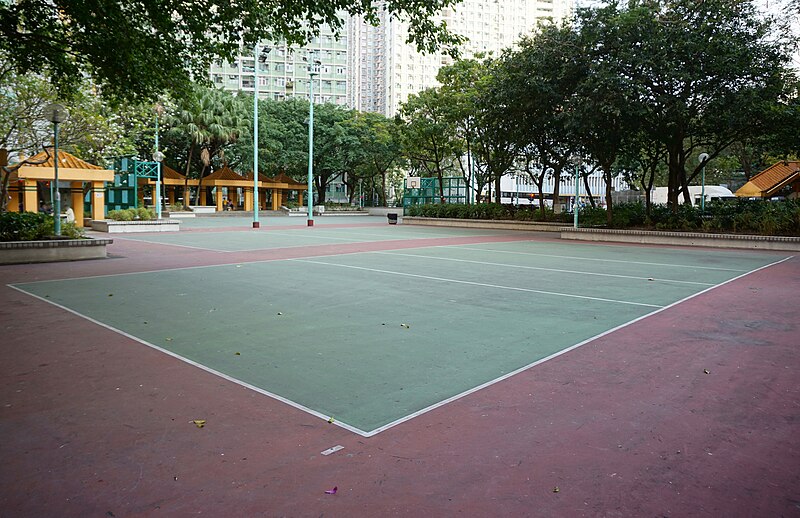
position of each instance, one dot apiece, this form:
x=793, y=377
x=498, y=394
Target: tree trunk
x=608, y=175
x=588, y=190
x=556, y=190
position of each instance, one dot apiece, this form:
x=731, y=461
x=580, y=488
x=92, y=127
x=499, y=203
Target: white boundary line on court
x=485, y=285
x=282, y=233
x=413, y=414
x=134, y=240
x=542, y=269
x=594, y=259
x=557, y=354
x=198, y=365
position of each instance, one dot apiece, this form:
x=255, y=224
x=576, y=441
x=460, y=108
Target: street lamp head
x=158, y=108
x=158, y=156
x=575, y=160
x=55, y=113
x=702, y=158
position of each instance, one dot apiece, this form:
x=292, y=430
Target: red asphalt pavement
x=95, y=424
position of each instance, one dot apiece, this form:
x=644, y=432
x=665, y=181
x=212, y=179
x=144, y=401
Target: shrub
x=121, y=215
x=25, y=226
x=71, y=230
x=144, y=214
x=34, y=226
x=740, y=216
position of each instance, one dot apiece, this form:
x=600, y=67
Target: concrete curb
x=783, y=243
x=114, y=227
x=484, y=223
x=19, y=252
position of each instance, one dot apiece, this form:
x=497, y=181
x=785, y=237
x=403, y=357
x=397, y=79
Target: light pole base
x=311, y=223
x=256, y=224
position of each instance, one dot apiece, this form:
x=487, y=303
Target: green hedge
x=769, y=218
x=34, y=226
x=484, y=211
x=141, y=214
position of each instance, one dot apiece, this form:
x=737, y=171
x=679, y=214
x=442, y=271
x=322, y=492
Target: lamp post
x=576, y=160
x=703, y=158
x=158, y=156
x=257, y=58
x=311, y=73
x=56, y=114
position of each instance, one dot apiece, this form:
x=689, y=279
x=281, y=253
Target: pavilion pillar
x=300, y=198
x=29, y=196
x=233, y=196
x=76, y=202
x=203, y=192
x=219, y=199
x=171, y=195
x=98, y=201
x=248, y=199
x=276, y=199
x=187, y=196
x=13, y=197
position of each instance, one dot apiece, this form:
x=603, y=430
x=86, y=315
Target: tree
x=534, y=90
x=93, y=129
x=603, y=115
x=208, y=120
x=429, y=136
x=136, y=49
x=337, y=146
x=380, y=140
x=705, y=73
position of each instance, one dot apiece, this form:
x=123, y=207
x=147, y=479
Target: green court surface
x=229, y=220
x=245, y=240
x=375, y=338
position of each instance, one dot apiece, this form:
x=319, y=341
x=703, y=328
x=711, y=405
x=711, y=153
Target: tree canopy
x=137, y=49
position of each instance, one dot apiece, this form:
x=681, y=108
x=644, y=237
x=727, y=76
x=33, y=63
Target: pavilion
x=24, y=193
x=774, y=181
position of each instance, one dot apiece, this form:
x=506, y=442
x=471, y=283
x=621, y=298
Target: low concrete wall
x=18, y=252
x=178, y=215
x=203, y=209
x=683, y=238
x=114, y=227
x=383, y=211
x=484, y=223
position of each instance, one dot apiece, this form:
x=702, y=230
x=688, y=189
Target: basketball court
x=414, y=368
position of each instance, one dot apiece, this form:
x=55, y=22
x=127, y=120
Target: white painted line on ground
x=545, y=269
x=332, y=450
x=557, y=354
x=407, y=417
x=198, y=365
x=485, y=285
x=167, y=244
x=595, y=259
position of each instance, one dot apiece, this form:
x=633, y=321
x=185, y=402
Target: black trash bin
x=392, y=218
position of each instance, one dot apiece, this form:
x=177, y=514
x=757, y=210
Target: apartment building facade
x=385, y=69
x=283, y=70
